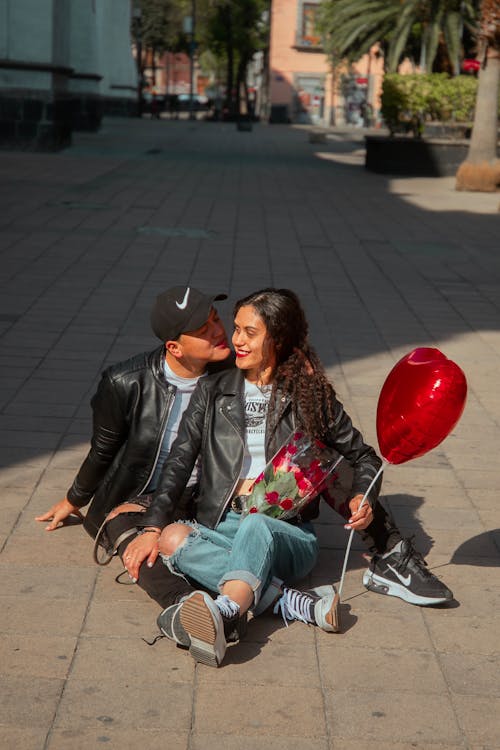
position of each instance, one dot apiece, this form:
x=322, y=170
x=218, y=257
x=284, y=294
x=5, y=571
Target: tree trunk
x=481, y=169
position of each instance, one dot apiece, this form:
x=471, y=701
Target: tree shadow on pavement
x=480, y=550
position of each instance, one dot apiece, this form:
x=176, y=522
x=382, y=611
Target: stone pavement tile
x=290, y=712
x=483, y=498
x=113, y=656
x=472, y=674
x=404, y=670
x=70, y=458
x=483, y=574
x=39, y=408
x=411, y=475
x=384, y=715
x=479, y=719
x=34, y=654
x=490, y=518
x=116, y=739
x=62, y=582
x=61, y=616
x=60, y=548
x=23, y=457
x=448, y=541
x=122, y=618
x=473, y=479
x=108, y=589
x=415, y=496
x=474, y=598
x=435, y=517
x=119, y=701
x=403, y=627
x=229, y=741
x=360, y=744
x=29, y=701
x=33, y=424
x=453, y=632
x=58, y=480
x=275, y=664
x=24, y=738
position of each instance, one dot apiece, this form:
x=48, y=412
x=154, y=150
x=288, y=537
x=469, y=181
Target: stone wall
x=63, y=63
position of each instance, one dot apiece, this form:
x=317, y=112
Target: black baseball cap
x=181, y=309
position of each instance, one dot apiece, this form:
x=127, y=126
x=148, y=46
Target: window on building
x=309, y=35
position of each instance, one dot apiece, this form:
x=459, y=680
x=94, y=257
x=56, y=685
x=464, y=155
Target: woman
x=236, y=421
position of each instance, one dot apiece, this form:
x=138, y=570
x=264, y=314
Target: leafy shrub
x=408, y=101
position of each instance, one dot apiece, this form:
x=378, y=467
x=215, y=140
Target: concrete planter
x=414, y=157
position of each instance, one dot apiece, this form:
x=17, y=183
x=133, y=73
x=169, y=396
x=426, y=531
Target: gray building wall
x=63, y=63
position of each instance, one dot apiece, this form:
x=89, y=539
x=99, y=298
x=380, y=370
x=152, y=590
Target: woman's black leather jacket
x=214, y=426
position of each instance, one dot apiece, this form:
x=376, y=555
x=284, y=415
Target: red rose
x=304, y=485
x=253, y=509
x=272, y=498
x=291, y=450
x=286, y=503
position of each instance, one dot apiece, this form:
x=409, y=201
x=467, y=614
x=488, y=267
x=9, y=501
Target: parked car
x=200, y=102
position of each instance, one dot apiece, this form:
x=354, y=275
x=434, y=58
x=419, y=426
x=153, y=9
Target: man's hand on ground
x=59, y=513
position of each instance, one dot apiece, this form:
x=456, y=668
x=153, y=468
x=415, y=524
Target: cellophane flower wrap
x=294, y=476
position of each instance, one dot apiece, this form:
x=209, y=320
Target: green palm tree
x=481, y=169
x=351, y=27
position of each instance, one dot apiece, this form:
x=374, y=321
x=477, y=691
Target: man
x=136, y=413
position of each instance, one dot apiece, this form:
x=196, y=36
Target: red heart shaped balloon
x=420, y=402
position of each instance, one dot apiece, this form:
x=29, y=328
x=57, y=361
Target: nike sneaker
x=403, y=572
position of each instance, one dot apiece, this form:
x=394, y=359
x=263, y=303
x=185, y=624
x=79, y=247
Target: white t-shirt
x=183, y=393
x=256, y=405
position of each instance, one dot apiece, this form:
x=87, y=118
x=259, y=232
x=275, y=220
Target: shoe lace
x=227, y=607
x=294, y=605
x=411, y=554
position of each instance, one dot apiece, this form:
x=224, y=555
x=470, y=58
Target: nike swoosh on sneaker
x=182, y=305
x=405, y=581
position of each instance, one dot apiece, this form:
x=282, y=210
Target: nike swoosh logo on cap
x=182, y=305
x=405, y=581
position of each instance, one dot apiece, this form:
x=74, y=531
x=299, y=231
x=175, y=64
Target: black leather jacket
x=130, y=411
x=213, y=425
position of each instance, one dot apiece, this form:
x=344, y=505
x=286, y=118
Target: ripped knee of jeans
x=174, y=536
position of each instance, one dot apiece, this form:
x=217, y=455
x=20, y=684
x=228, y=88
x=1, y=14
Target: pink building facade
x=302, y=86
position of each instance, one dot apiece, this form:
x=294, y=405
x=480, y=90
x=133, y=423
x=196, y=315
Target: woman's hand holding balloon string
x=361, y=514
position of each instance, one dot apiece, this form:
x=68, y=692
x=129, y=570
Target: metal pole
x=138, y=51
x=191, y=60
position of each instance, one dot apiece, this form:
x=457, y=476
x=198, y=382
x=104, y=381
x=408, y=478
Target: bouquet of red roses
x=294, y=476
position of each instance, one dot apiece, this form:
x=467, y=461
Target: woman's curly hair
x=299, y=373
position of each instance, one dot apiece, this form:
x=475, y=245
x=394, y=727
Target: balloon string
x=349, y=543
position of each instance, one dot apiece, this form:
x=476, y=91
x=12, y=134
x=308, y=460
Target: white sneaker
x=318, y=606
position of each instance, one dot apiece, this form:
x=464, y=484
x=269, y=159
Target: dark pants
x=158, y=582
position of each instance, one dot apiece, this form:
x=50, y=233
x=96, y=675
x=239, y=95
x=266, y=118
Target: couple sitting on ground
x=233, y=422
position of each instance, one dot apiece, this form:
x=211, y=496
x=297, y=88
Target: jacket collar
x=233, y=383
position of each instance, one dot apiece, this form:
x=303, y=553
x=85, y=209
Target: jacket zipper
x=230, y=494
x=170, y=388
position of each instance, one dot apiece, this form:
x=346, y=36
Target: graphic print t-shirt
x=256, y=404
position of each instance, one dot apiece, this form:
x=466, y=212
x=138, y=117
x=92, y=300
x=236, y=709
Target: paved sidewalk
x=88, y=237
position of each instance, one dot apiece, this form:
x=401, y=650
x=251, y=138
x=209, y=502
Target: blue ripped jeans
x=256, y=549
